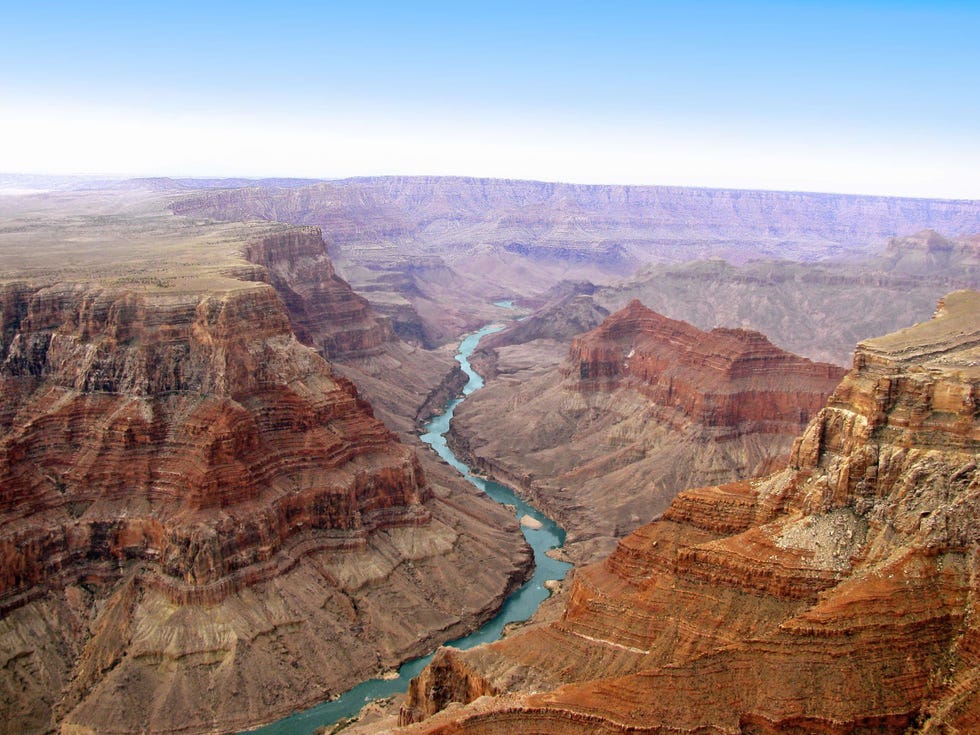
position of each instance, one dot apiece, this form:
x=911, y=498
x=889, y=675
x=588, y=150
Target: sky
x=861, y=97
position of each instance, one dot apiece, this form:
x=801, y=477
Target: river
x=518, y=607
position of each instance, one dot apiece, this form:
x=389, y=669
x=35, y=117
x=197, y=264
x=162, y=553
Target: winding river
x=519, y=606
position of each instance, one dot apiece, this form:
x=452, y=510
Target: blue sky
x=866, y=97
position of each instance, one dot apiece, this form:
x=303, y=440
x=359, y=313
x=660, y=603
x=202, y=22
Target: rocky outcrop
x=836, y=596
x=641, y=407
x=929, y=253
x=560, y=321
x=445, y=680
x=732, y=378
x=202, y=524
x=324, y=311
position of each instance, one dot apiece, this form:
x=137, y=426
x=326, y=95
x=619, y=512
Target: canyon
x=216, y=509
x=819, y=310
x=836, y=595
x=640, y=408
x=432, y=252
x=204, y=526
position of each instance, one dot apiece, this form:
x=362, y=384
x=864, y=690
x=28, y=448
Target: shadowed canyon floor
x=835, y=596
x=203, y=525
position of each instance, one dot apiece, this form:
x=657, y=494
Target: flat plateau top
x=121, y=240
x=948, y=342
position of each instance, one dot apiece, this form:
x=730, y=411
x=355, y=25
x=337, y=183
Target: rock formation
x=929, y=253
x=431, y=252
x=724, y=378
x=202, y=525
x=835, y=596
x=404, y=384
x=324, y=311
x=642, y=407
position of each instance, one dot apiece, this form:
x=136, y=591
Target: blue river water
x=518, y=607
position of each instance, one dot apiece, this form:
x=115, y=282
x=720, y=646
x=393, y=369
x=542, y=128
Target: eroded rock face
x=430, y=251
x=324, y=311
x=180, y=410
x=202, y=525
x=641, y=407
x=835, y=596
x=724, y=378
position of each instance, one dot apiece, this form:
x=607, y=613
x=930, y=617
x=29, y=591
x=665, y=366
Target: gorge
x=217, y=508
x=833, y=596
x=640, y=408
x=541, y=533
x=196, y=507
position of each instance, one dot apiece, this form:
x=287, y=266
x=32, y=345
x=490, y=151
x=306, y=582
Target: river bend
x=518, y=607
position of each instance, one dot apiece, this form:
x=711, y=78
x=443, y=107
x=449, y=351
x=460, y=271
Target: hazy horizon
x=868, y=98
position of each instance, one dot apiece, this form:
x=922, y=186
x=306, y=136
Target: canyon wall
x=599, y=223
x=819, y=310
x=642, y=407
x=324, y=310
x=180, y=409
x=202, y=524
x=835, y=596
x=431, y=252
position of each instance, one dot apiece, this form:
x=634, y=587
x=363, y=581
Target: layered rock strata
x=202, y=525
x=723, y=378
x=431, y=251
x=835, y=596
x=642, y=407
x=405, y=384
x=324, y=311
x=180, y=409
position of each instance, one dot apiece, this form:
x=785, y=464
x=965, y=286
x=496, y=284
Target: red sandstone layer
x=323, y=309
x=173, y=411
x=725, y=377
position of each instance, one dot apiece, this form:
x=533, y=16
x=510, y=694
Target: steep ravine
x=640, y=408
x=541, y=533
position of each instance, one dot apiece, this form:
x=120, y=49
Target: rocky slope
x=432, y=252
x=403, y=382
x=324, y=311
x=642, y=407
x=836, y=596
x=202, y=525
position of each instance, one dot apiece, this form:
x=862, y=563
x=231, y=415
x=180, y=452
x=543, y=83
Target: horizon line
x=122, y=178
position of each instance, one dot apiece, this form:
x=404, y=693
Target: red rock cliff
x=323, y=309
x=837, y=596
x=202, y=526
x=725, y=377
x=178, y=409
